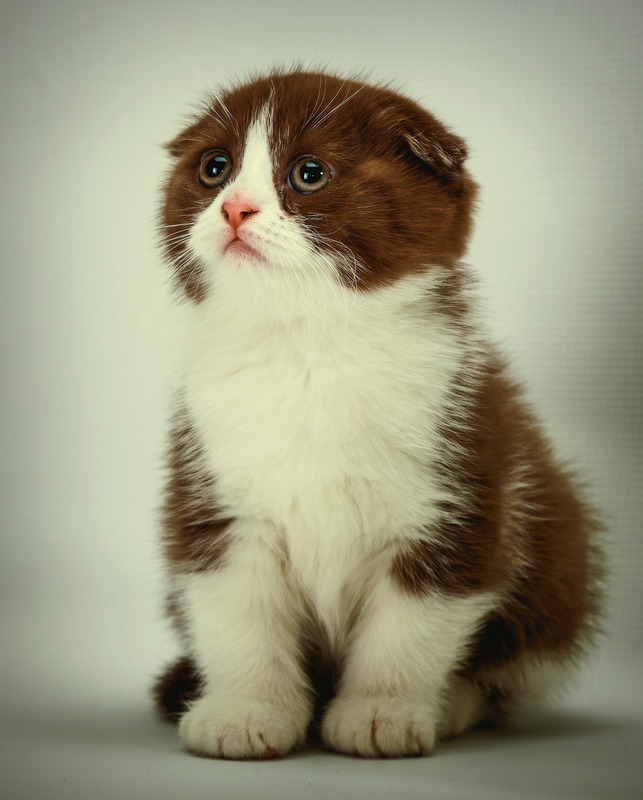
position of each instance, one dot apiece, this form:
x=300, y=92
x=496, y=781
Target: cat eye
x=308, y=175
x=215, y=168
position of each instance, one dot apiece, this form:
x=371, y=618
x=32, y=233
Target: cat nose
x=235, y=212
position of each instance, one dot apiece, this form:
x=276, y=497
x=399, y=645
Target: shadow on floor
x=136, y=727
x=540, y=726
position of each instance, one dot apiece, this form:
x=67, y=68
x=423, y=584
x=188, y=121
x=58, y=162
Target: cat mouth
x=240, y=249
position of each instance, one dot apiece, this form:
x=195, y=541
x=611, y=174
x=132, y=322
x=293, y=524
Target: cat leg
x=465, y=706
x=398, y=669
x=244, y=622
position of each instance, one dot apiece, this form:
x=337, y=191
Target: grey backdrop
x=548, y=95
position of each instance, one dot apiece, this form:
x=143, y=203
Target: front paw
x=378, y=727
x=240, y=728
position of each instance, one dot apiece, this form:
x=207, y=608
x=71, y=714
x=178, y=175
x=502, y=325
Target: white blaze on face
x=254, y=181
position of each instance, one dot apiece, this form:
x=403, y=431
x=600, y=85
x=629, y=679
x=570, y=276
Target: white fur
x=391, y=696
x=318, y=410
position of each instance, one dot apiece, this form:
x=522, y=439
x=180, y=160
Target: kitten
x=366, y=534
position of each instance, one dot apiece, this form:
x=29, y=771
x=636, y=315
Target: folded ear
x=442, y=150
x=177, y=146
x=425, y=138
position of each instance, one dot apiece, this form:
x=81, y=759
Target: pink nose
x=236, y=212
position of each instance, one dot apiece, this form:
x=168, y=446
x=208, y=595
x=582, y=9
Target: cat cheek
x=292, y=206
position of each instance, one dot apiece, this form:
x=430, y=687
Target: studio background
x=548, y=96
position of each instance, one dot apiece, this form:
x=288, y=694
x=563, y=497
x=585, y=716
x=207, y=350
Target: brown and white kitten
x=364, y=528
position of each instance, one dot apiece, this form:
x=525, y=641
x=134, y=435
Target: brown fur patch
x=523, y=533
x=195, y=529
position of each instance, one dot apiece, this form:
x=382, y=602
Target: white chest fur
x=324, y=424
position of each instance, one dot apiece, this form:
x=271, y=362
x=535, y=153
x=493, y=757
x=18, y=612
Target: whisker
x=318, y=122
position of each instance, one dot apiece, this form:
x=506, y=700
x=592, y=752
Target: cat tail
x=176, y=688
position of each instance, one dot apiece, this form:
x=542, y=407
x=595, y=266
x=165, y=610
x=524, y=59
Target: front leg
x=243, y=621
x=398, y=667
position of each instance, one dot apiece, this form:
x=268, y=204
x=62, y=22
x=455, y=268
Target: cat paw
x=245, y=729
x=378, y=727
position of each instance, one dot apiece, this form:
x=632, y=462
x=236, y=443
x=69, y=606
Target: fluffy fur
x=366, y=534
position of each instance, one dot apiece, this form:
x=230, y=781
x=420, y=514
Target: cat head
x=303, y=173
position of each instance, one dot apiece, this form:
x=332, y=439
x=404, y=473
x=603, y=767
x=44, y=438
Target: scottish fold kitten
x=366, y=534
